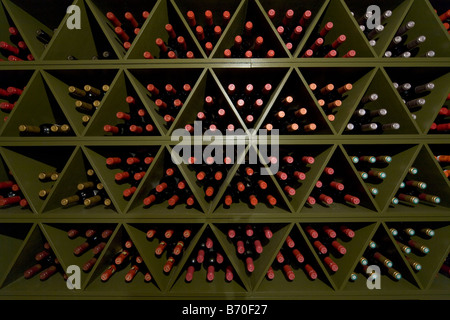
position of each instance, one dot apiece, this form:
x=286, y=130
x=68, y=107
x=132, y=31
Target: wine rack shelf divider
x=45, y=80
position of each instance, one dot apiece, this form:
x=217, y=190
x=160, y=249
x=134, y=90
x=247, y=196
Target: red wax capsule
x=289, y=272
x=311, y=272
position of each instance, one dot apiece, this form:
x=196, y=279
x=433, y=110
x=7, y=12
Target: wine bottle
x=210, y=32
x=380, y=259
x=445, y=268
x=89, y=197
x=127, y=30
x=46, y=264
x=405, y=238
x=413, y=191
x=176, y=46
x=182, y=242
x=322, y=46
x=45, y=129
x=17, y=51
x=330, y=49
x=95, y=240
x=43, y=37
x=289, y=28
x=288, y=271
x=405, y=28
x=306, y=18
x=249, y=44
x=122, y=259
x=193, y=266
x=444, y=17
x=10, y=194
x=411, y=93
x=290, y=256
x=15, y=36
x=135, y=122
x=173, y=189
x=270, y=275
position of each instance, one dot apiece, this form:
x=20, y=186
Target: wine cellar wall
x=354, y=120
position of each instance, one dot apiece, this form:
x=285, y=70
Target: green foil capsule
x=394, y=231
x=395, y=274
x=384, y=159
x=374, y=191
x=363, y=175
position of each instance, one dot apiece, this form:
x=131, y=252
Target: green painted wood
x=27, y=164
x=13, y=235
x=438, y=247
x=389, y=250
x=251, y=11
x=219, y=285
x=399, y=10
x=7, y=22
x=75, y=172
x=401, y=157
x=435, y=99
x=253, y=156
x=296, y=87
x=256, y=77
x=115, y=245
x=37, y=18
x=142, y=78
x=426, y=19
x=217, y=8
x=18, y=79
x=65, y=246
x=302, y=281
x=91, y=41
x=59, y=83
x=359, y=79
x=264, y=259
x=427, y=167
x=117, y=102
x=98, y=156
x=337, y=13
x=163, y=13
x=101, y=8
x=50, y=110
x=346, y=174
x=15, y=281
x=152, y=179
x=316, y=8
x=312, y=172
x=207, y=85
x=353, y=246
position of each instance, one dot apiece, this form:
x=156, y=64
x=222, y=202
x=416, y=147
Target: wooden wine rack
x=45, y=99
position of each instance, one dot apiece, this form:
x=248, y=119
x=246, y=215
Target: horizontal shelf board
x=300, y=295
x=228, y=63
x=166, y=140
x=293, y=218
